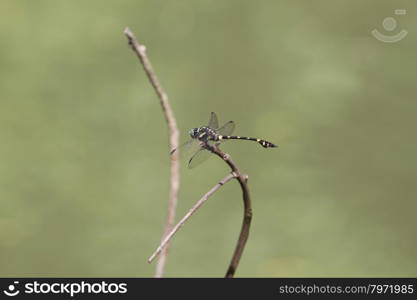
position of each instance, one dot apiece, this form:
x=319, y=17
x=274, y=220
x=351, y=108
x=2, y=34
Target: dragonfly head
x=194, y=133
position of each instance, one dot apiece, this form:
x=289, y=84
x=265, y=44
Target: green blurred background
x=84, y=155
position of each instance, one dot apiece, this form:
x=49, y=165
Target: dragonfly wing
x=226, y=129
x=199, y=157
x=187, y=148
x=213, y=122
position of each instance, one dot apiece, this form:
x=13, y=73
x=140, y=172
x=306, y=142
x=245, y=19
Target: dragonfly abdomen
x=261, y=142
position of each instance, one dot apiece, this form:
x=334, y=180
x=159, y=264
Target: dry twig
x=196, y=206
x=140, y=51
x=247, y=210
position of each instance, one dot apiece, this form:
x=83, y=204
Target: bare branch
x=140, y=51
x=198, y=204
x=169, y=231
x=247, y=210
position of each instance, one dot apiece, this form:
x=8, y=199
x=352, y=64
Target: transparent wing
x=213, y=122
x=199, y=157
x=187, y=148
x=226, y=129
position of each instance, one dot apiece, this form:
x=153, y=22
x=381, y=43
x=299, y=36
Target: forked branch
x=247, y=211
x=196, y=206
x=169, y=231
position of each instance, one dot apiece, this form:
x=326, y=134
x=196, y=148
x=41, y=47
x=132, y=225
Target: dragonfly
x=211, y=135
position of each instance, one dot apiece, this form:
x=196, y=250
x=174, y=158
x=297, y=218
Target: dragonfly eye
x=193, y=132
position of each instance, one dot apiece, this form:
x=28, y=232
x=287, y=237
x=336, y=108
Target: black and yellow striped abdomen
x=261, y=142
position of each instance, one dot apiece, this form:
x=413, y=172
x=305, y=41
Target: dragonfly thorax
x=204, y=134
